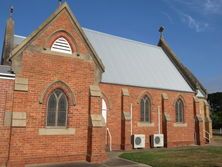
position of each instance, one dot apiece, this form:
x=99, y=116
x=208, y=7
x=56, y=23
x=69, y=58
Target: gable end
x=18, y=49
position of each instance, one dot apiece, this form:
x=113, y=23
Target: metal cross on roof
x=11, y=11
x=161, y=29
x=60, y=2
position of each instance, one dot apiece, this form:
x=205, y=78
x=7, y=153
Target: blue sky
x=193, y=28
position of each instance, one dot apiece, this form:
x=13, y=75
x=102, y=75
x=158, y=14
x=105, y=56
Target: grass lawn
x=218, y=139
x=206, y=156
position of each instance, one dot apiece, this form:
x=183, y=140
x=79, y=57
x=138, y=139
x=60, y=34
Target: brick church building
x=73, y=94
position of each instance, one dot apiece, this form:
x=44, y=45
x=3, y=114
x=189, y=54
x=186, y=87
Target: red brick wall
x=177, y=135
x=62, y=25
x=6, y=96
x=42, y=68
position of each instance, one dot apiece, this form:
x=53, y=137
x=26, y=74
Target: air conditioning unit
x=157, y=140
x=138, y=141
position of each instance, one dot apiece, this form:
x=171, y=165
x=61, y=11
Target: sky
x=193, y=28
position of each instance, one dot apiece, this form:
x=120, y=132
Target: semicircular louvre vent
x=61, y=45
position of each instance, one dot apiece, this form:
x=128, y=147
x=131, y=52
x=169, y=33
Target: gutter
x=7, y=76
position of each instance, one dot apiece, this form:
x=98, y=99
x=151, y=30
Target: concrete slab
x=113, y=161
x=118, y=162
x=77, y=164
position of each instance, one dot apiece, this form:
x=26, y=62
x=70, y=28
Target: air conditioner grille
x=138, y=140
x=157, y=139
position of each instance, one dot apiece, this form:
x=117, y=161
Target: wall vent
x=61, y=45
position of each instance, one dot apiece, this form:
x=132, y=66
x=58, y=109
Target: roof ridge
x=190, y=78
x=121, y=38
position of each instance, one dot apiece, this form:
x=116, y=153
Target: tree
x=215, y=101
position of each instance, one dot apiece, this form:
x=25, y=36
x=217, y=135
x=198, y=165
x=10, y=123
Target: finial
x=161, y=31
x=60, y=2
x=11, y=11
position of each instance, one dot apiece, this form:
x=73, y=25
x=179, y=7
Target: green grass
x=218, y=139
x=207, y=156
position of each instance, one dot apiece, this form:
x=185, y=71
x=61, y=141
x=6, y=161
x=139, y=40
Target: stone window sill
x=145, y=124
x=51, y=131
x=180, y=124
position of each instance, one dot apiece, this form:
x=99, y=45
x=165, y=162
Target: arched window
x=179, y=111
x=104, y=110
x=145, y=109
x=61, y=45
x=57, y=109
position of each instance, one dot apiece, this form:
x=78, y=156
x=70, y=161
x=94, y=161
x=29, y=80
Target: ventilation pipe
x=131, y=113
x=158, y=110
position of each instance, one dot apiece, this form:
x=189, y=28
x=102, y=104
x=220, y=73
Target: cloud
x=184, y=8
x=194, y=24
x=212, y=6
x=206, y=7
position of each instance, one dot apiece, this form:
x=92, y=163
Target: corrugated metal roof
x=4, y=69
x=134, y=63
x=6, y=73
x=200, y=94
x=17, y=40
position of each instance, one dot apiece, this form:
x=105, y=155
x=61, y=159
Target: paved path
x=114, y=161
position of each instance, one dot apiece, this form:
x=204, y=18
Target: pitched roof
x=134, y=63
x=17, y=40
x=129, y=62
x=187, y=74
x=200, y=94
x=6, y=72
x=64, y=6
x=4, y=69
